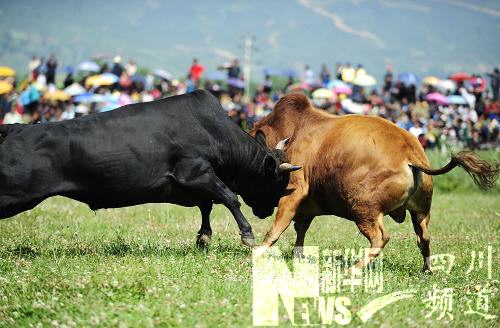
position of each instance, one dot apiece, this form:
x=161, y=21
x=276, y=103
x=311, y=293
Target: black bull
x=182, y=150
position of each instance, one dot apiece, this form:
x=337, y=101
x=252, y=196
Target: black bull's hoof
x=248, y=240
x=203, y=240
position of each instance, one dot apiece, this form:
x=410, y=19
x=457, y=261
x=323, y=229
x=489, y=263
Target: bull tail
x=483, y=173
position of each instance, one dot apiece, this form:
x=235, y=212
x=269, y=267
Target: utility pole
x=247, y=63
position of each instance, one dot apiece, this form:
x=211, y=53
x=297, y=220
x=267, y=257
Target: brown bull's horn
x=281, y=145
x=287, y=167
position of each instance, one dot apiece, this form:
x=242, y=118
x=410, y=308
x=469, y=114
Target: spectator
x=308, y=75
x=195, y=71
x=117, y=66
x=51, y=67
x=12, y=116
x=234, y=71
x=324, y=75
x=495, y=83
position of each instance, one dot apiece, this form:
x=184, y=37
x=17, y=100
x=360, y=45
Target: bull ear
x=261, y=138
x=270, y=165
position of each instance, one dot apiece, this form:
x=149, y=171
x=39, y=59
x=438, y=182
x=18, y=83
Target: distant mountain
x=426, y=37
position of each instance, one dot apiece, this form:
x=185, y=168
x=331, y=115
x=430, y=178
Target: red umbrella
x=461, y=76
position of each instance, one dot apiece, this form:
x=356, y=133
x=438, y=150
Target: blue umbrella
x=216, y=76
x=458, y=100
x=279, y=72
x=237, y=83
x=408, y=78
x=88, y=66
x=89, y=97
x=139, y=78
x=337, y=84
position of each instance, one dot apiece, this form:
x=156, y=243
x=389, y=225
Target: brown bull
x=359, y=168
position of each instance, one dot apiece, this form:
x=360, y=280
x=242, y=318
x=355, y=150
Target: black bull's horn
x=286, y=167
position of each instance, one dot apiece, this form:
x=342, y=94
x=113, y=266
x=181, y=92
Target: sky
x=427, y=37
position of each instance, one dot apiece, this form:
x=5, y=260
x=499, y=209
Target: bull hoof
x=203, y=241
x=248, y=241
x=298, y=252
x=427, y=270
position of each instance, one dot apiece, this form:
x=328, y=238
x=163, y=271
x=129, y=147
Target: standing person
x=196, y=70
x=51, y=67
x=117, y=66
x=495, y=83
x=131, y=67
x=388, y=77
x=324, y=75
x=308, y=75
x=33, y=67
x=338, y=72
x=234, y=70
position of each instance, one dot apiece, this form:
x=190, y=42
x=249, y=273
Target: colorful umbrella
x=437, y=97
x=101, y=80
x=75, y=89
x=461, y=76
x=430, y=80
x=7, y=71
x=56, y=95
x=364, y=80
x=322, y=93
x=343, y=90
x=409, y=78
x=5, y=87
x=455, y=99
x=88, y=66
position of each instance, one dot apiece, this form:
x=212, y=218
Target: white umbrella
x=75, y=90
x=164, y=74
x=447, y=85
x=88, y=66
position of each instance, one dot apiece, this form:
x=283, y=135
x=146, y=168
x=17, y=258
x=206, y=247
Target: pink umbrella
x=437, y=97
x=342, y=89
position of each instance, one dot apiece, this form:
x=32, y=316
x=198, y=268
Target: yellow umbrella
x=7, y=71
x=322, y=93
x=57, y=95
x=430, y=80
x=364, y=80
x=101, y=79
x=5, y=87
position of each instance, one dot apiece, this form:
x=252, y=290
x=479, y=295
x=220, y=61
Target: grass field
x=63, y=265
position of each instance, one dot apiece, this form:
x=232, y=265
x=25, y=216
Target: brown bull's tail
x=484, y=174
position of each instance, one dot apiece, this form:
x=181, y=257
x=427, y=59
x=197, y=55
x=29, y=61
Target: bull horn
x=287, y=167
x=281, y=145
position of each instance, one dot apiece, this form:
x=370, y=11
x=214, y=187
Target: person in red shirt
x=196, y=70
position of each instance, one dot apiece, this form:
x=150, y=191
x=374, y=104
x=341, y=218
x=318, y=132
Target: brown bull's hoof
x=248, y=241
x=203, y=241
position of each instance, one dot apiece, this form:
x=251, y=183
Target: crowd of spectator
x=462, y=111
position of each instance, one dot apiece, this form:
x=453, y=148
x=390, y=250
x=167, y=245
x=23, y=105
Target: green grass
x=61, y=264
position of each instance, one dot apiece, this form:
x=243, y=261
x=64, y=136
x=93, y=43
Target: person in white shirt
x=12, y=116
